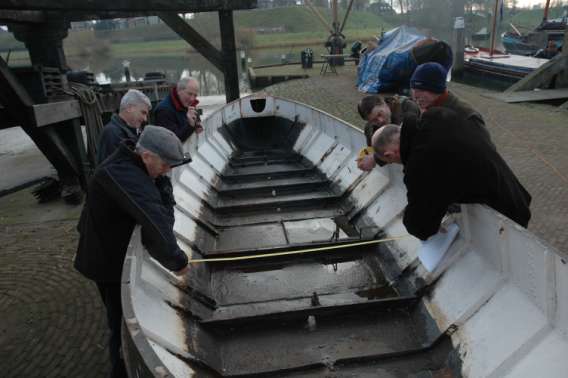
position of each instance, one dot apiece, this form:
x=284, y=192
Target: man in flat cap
x=123, y=192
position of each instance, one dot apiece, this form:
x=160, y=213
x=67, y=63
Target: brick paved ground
x=532, y=138
x=52, y=322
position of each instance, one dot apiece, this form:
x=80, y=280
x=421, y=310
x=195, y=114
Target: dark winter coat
x=171, y=114
x=464, y=110
x=121, y=194
x=448, y=159
x=113, y=134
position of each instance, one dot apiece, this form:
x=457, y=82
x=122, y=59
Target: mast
x=494, y=27
x=545, y=16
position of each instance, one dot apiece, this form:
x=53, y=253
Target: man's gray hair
x=388, y=135
x=184, y=81
x=134, y=97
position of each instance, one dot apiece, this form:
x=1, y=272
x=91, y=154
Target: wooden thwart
x=525, y=96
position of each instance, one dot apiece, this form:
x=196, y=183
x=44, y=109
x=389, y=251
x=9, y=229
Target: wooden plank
x=191, y=36
x=525, y=96
x=54, y=112
x=540, y=76
x=129, y=5
x=22, y=16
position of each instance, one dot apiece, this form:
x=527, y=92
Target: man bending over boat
x=449, y=159
x=123, y=192
x=132, y=114
x=177, y=111
x=379, y=111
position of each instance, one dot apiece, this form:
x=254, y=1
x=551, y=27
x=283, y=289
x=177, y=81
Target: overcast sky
x=530, y=3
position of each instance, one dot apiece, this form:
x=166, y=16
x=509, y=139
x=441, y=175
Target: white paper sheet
x=433, y=250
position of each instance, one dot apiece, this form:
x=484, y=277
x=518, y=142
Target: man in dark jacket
x=445, y=163
x=124, y=192
x=428, y=86
x=379, y=111
x=133, y=112
x=177, y=112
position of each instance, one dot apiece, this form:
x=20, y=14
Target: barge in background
x=270, y=175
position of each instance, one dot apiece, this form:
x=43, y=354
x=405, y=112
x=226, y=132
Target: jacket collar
x=116, y=119
x=176, y=101
x=442, y=98
x=126, y=149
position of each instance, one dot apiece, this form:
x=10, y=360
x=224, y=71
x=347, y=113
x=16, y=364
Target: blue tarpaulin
x=390, y=65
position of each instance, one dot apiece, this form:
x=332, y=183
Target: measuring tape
x=298, y=252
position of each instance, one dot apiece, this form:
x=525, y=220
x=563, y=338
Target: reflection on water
x=111, y=70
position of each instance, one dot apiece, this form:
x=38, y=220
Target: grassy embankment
x=301, y=29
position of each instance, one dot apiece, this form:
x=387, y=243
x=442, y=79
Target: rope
x=91, y=109
x=298, y=252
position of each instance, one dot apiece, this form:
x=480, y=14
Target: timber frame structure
x=51, y=117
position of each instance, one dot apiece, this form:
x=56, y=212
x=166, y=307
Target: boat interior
x=300, y=263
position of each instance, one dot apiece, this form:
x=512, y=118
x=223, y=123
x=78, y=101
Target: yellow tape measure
x=298, y=252
x=365, y=152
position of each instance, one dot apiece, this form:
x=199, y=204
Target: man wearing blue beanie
x=428, y=87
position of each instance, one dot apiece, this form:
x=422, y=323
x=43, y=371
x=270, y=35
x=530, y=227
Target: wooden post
x=458, y=12
x=229, y=51
x=494, y=28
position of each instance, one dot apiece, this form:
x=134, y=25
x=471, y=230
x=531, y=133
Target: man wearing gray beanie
x=126, y=191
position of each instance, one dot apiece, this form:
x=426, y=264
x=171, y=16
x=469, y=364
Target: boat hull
x=270, y=176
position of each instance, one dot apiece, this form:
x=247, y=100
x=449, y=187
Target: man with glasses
x=178, y=111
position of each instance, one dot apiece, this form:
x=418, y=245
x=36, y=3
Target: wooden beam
x=346, y=16
x=55, y=112
x=13, y=96
x=191, y=36
x=526, y=96
x=458, y=46
x=229, y=48
x=540, y=76
x=182, y=6
x=9, y=16
x=319, y=16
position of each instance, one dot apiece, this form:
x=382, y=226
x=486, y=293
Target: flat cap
x=165, y=144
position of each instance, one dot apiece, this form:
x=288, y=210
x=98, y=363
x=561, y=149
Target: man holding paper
x=445, y=164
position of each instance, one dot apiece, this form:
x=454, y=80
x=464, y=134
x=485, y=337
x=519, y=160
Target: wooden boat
x=507, y=68
x=270, y=176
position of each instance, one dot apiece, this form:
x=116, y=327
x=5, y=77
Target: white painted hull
x=503, y=291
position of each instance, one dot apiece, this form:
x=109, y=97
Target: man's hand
x=182, y=271
x=366, y=163
x=192, y=116
x=193, y=119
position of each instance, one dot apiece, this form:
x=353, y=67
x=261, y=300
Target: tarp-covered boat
x=269, y=177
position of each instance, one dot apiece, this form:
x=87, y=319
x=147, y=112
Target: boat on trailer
x=302, y=267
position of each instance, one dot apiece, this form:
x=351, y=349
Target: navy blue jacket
x=121, y=194
x=446, y=163
x=173, y=116
x=113, y=133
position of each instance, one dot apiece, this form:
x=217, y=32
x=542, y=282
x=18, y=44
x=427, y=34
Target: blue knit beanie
x=429, y=77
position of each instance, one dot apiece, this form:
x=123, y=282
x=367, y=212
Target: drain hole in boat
x=258, y=104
